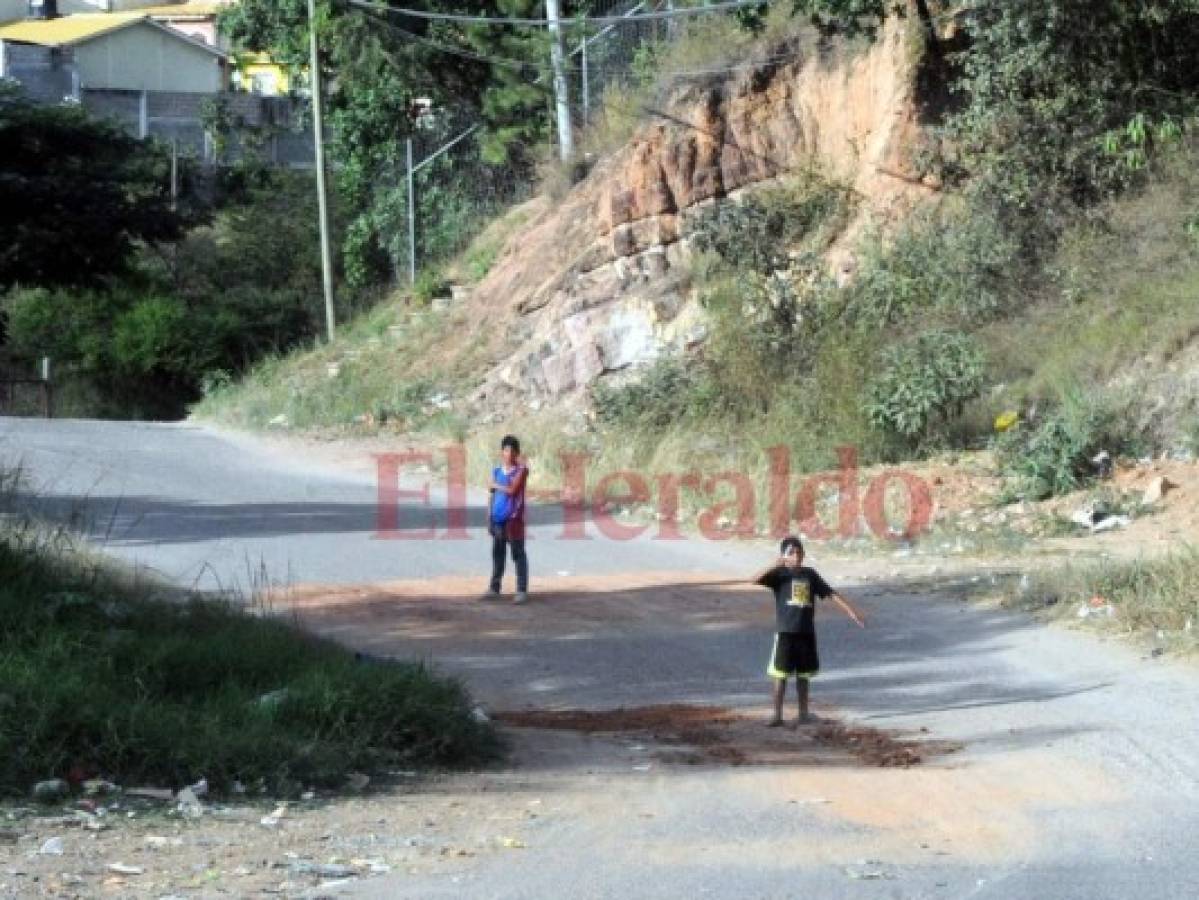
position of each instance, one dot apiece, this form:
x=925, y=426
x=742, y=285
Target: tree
x=379, y=66
x=1064, y=101
x=77, y=196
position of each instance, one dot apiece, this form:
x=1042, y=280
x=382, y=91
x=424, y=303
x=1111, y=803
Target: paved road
x=217, y=510
x=1079, y=776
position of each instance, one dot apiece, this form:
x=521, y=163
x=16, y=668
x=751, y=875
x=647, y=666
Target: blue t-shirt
x=506, y=506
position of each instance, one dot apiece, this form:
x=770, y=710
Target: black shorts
x=793, y=654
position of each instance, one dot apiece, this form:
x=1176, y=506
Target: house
x=258, y=73
x=128, y=51
x=11, y=10
x=197, y=20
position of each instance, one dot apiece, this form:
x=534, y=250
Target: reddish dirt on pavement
x=712, y=734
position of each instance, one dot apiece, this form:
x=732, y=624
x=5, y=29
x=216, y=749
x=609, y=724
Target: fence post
x=586, y=86
x=143, y=115
x=561, y=89
x=411, y=218
x=47, y=390
x=174, y=173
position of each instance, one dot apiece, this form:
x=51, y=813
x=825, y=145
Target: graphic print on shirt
x=801, y=593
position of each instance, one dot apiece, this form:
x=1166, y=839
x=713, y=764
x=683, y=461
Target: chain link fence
x=446, y=193
x=25, y=387
x=608, y=57
x=447, y=190
x=274, y=130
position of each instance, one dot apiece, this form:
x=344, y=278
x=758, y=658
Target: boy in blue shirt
x=506, y=519
x=796, y=589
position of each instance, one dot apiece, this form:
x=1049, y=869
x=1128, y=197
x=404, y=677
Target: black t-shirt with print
x=795, y=593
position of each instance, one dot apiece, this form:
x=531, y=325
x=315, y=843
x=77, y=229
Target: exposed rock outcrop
x=601, y=279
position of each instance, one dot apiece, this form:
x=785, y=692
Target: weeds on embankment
x=1153, y=598
x=104, y=675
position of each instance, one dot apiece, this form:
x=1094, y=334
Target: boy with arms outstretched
x=796, y=590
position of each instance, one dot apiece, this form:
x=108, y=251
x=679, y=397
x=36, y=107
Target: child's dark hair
x=510, y=441
x=789, y=542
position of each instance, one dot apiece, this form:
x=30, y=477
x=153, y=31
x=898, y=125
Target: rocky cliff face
x=598, y=283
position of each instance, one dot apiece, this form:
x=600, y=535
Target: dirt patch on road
x=698, y=735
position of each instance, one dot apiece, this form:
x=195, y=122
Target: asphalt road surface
x=1078, y=772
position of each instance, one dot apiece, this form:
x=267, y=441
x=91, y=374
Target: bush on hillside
x=666, y=393
x=961, y=267
x=1055, y=455
x=760, y=232
x=1066, y=101
x=924, y=384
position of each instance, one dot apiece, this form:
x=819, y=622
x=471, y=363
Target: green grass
x=100, y=674
x=368, y=378
x=1152, y=598
x=1121, y=296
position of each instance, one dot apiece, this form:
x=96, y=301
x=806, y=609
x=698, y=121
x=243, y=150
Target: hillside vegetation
x=1042, y=268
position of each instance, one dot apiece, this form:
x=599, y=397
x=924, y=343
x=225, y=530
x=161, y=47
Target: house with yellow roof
x=252, y=72
x=11, y=10
x=111, y=51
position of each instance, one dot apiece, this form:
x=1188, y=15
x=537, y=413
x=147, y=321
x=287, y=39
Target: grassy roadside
x=104, y=676
x=1151, y=599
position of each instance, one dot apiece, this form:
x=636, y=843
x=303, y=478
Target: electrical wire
x=519, y=65
x=566, y=22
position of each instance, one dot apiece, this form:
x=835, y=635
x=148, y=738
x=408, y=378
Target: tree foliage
x=1065, y=101
x=77, y=196
x=227, y=295
x=377, y=68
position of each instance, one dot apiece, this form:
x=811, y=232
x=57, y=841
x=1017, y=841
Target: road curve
x=1079, y=772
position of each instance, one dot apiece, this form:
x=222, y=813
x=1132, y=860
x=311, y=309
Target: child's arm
x=760, y=577
x=849, y=609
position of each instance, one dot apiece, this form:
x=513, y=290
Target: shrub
x=1065, y=101
x=430, y=284
x=959, y=267
x=924, y=384
x=1055, y=456
x=759, y=232
x=667, y=392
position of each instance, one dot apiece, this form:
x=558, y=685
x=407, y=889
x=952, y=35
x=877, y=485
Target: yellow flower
x=1006, y=420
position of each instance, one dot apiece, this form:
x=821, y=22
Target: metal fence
x=444, y=192
x=448, y=192
x=275, y=129
x=25, y=387
x=607, y=58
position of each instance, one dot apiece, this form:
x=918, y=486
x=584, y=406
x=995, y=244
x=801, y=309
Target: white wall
x=69, y=7
x=145, y=58
x=18, y=9
x=13, y=9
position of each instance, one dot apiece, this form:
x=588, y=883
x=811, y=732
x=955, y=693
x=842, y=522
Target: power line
x=519, y=65
x=542, y=23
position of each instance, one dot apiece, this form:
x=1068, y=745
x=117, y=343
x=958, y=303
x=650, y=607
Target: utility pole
x=566, y=139
x=318, y=133
x=411, y=216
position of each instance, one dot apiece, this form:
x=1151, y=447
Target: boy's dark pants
x=499, y=544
